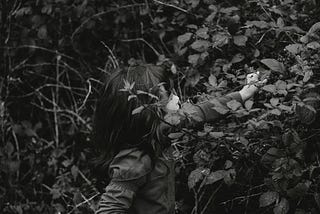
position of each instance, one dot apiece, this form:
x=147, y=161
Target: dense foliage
x=262, y=157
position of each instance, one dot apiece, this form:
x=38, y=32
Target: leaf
x=193, y=59
x=274, y=65
x=282, y=207
x=74, y=171
x=175, y=135
x=234, y=105
x=269, y=88
x=137, y=110
x=307, y=76
x=228, y=164
x=314, y=28
x=221, y=109
x=280, y=22
x=258, y=24
x=240, y=40
x=248, y=104
x=275, y=112
x=200, y=45
x=274, y=101
x=212, y=80
x=182, y=39
x=237, y=58
x=294, y=48
x=194, y=177
x=216, y=134
x=215, y=176
x=203, y=33
x=268, y=198
x=313, y=45
x=220, y=39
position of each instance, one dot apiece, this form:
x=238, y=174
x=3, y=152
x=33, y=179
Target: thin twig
x=114, y=59
x=84, y=202
x=173, y=6
x=102, y=14
x=40, y=48
x=142, y=40
x=87, y=96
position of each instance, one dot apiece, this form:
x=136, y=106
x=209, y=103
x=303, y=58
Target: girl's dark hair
x=115, y=127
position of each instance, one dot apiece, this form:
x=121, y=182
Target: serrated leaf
x=248, y=104
x=221, y=110
x=274, y=101
x=215, y=176
x=314, y=28
x=216, y=134
x=212, y=80
x=274, y=65
x=175, y=135
x=202, y=33
x=268, y=198
x=313, y=45
x=193, y=59
x=307, y=76
x=258, y=24
x=182, y=39
x=237, y=58
x=269, y=88
x=282, y=207
x=200, y=45
x=240, y=40
x=294, y=48
x=280, y=22
x=234, y=105
x=275, y=112
x=220, y=39
x=194, y=177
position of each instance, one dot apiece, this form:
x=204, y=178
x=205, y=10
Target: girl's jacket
x=140, y=186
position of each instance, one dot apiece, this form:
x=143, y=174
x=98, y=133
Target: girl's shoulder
x=130, y=164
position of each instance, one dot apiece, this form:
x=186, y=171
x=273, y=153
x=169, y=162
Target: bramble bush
x=261, y=157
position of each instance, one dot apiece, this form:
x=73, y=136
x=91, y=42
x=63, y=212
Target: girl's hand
x=252, y=86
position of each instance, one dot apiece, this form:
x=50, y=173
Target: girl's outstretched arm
x=206, y=111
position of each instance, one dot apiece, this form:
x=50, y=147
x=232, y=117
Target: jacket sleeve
x=128, y=173
x=207, y=113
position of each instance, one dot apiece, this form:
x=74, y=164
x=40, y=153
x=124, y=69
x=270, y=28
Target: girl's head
x=116, y=127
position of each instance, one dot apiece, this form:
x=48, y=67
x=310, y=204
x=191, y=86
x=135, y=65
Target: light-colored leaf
x=240, y=40
x=294, y=48
x=213, y=80
x=274, y=65
x=200, y=45
x=193, y=59
x=313, y=45
x=248, y=104
x=269, y=88
x=215, y=176
x=234, y=105
x=203, y=33
x=282, y=207
x=216, y=134
x=175, y=135
x=237, y=58
x=137, y=110
x=220, y=39
x=268, y=198
x=274, y=101
x=194, y=177
x=258, y=24
x=182, y=39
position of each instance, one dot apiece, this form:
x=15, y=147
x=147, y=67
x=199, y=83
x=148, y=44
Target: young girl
x=132, y=146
